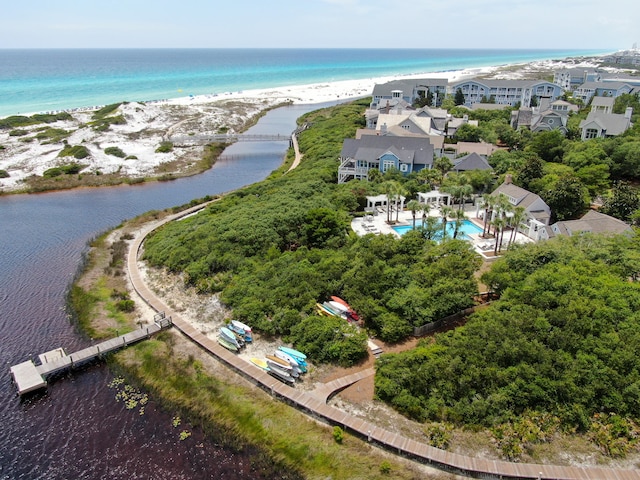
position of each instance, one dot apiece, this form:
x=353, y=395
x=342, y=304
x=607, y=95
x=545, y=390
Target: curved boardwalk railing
x=315, y=404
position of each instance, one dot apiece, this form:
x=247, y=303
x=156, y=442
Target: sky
x=548, y=24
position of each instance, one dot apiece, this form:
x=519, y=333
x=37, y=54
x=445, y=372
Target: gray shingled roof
x=602, y=102
x=473, y=161
x=502, y=83
x=523, y=197
x=606, y=85
x=415, y=150
x=612, y=123
x=594, y=222
x=407, y=86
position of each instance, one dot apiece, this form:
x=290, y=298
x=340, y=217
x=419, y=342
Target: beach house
x=600, y=124
x=591, y=222
x=572, y=78
x=409, y=90
x=383, y=153
x=588, y=90
x=506, y=92
x=536, y=210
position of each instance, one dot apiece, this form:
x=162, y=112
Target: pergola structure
x=435, y=198
x=381, y=201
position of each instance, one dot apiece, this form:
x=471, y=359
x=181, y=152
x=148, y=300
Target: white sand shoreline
x=148, y=122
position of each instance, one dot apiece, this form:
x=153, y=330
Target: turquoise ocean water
x=37, y=80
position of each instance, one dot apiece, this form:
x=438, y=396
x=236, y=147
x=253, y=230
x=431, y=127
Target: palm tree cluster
x=500, y=214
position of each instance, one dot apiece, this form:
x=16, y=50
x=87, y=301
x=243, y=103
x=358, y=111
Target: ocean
x=41, y=80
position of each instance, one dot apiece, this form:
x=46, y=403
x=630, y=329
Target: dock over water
x=30, y=376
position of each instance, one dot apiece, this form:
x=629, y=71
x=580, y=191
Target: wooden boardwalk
x=29, y=376
x=315, y=405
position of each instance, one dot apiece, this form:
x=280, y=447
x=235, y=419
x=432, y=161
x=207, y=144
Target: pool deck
x=376, y=223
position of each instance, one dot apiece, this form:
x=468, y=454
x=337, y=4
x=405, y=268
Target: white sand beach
x=148, y=123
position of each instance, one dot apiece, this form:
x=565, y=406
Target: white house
x=602, y=125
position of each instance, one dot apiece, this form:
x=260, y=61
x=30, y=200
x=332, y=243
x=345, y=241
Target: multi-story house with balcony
x=409, y=90
x=572, y=78
x=383, y=153
x=506, y=92
x=588, y=90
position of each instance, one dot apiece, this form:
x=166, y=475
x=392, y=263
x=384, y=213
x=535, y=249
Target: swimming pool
x=467, y=228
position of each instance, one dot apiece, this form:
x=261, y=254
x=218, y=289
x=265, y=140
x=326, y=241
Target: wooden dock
x=30, y=376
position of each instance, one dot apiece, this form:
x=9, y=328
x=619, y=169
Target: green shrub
x=125, y=305
x=16, y=121
x=69, y=169
x=18, y=133
x=2, y=147
x=76, y=151
x=52, y=135
x=103, y=124
x=52, y=172
x=115, y=151
x=385, y=468
x=338, y=434
x=165, y=147
x=23, y=121
x=4, y=173
x=51, y=117
x=131, y=157
x=106, y=110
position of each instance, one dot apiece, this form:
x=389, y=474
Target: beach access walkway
x=314, y=403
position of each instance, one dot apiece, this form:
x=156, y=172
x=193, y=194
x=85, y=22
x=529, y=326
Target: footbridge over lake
x=192, y=140
x=205, y=139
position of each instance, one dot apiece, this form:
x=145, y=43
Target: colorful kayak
x=322, y=310
x=351, y=313
x=292, y=361
x=260, y=363
x=241, y=329
x=239, y=324
x=295, y=353
x=229, y=336
x=338, y=306
x=282, y=376
x=334, y=311
x=226, y=344
x=281, y=363
x=277, y=367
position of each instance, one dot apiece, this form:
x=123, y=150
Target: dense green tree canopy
x=276, y=248
x=562, y=339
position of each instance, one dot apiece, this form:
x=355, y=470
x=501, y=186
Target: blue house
x=383, y=153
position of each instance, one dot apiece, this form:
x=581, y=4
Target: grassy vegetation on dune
x=244, y=415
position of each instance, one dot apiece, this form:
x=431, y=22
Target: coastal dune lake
x=77, y=429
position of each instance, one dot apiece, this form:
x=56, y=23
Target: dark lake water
x=77, y=430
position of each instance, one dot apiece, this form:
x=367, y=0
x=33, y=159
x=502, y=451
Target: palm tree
x=400, y=192
x=388, y=188
x=498, y=225
x=519, y=215
x=489, y=202
x=426, y=208
x=444, y=213
x=458, y=217
x=464, y=191
x=414, y=206
x=502, y=206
